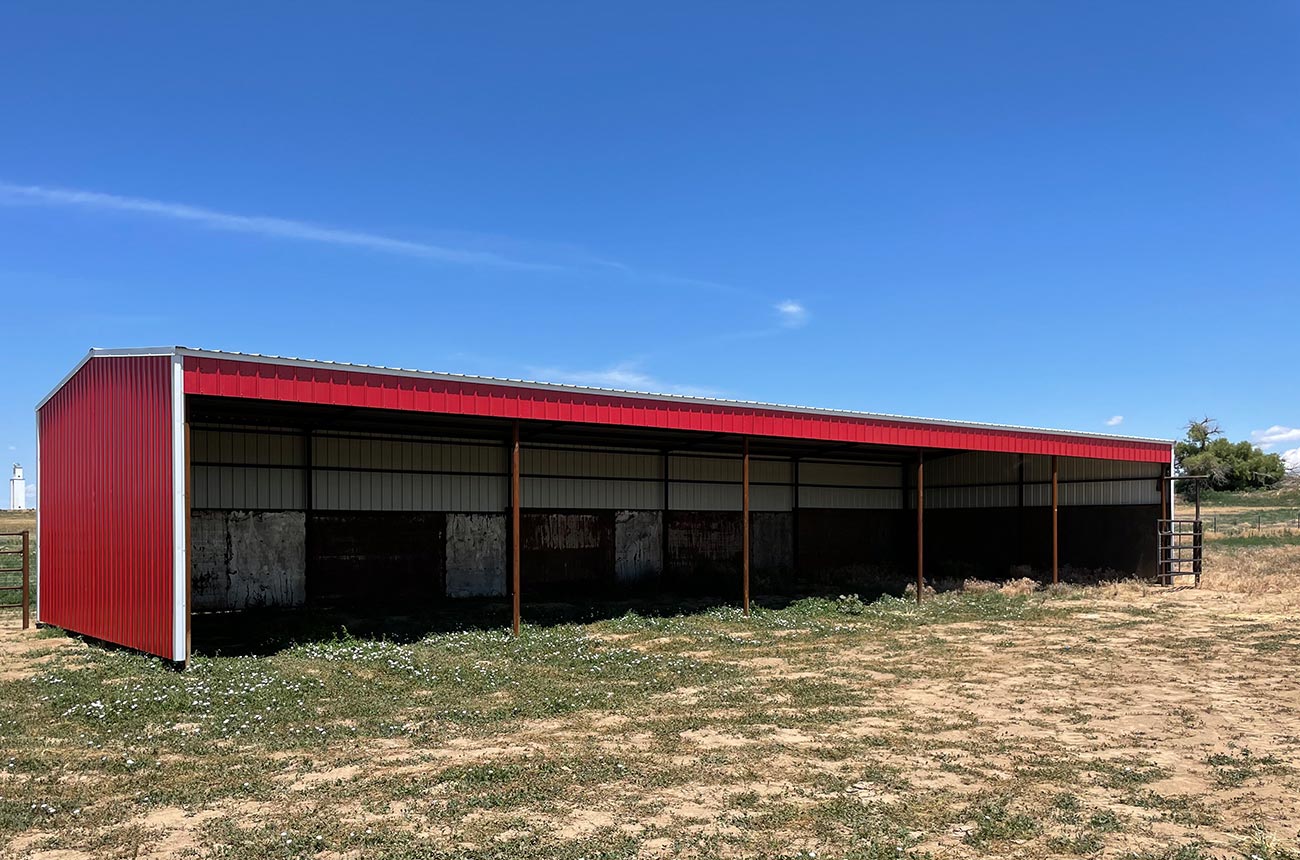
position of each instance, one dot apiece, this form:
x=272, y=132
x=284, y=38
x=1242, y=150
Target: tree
x=1226, y=465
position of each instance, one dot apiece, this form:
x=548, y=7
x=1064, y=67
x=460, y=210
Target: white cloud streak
x=1275, y=435
x=1114, y=420
x=792, y=313
x=624, y=375
x=261, y=225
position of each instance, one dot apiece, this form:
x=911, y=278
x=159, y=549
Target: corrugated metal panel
x=400, y=453
x=106, y=503
x=1131, y=492
x=814, y=472
x=994, y=496
x=974, y=468
x=400, y=491
x=1070, y=469
x=302, y=383
x=705, y=497
x=247, y=488
x=590, y=494
x=849, y=497
x=687, y=468
x=590, y=463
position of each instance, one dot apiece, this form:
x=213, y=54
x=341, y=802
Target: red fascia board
x=296, y=383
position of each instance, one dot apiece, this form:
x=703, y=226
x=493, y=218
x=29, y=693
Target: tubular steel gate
x=7, y=571
x=1180, y=550
x=1180, y=541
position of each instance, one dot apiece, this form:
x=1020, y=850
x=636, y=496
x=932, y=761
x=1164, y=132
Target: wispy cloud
x=1114, y=420
x=792, y=313
x=518, y=256
x=1292, y=459
x=624, y=375
x=279, y=228
x=1275, y=435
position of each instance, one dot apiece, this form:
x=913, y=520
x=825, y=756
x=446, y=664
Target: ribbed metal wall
x=263, y=469
x=850, y=485
x=247, y=469
x=106, y=503
x=591, y=478
x=407, y=474
x=991, y=480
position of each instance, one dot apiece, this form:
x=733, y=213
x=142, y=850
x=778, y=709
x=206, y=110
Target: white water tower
x=17, y=490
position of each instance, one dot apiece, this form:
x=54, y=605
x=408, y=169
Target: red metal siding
x=302, y=384
x=105, y=497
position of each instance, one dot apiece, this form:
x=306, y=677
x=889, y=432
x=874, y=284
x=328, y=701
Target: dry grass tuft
x=1252, y=569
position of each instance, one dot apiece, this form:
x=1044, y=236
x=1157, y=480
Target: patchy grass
x=1122, y=721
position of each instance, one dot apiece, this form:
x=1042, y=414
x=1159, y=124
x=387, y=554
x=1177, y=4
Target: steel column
x=794, y=516
x=1056, y=531
x=744, y=530
x=663, y=524
x=514, y=531
x=920, y=525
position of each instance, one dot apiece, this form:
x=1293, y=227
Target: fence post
x=27, y=566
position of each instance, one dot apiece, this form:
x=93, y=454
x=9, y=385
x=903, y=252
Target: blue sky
x=1044, y=214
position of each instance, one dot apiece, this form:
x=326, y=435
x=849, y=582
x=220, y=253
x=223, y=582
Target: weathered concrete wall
x=476, y=555
x=638, y=546
x=378, y=558
x=566, y=554
x=866, y=551
x=704, y=551
x=245, y=559
x=770, y=542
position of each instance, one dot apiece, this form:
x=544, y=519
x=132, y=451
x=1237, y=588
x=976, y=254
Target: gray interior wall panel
x=849, y=497
x=590, y=494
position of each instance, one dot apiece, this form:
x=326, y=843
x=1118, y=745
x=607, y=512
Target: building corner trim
x=180, y=610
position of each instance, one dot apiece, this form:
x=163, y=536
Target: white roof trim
x=583, y=389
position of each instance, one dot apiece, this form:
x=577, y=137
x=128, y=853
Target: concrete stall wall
x=283, y=517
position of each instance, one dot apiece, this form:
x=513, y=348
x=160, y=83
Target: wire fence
x=1246, y=522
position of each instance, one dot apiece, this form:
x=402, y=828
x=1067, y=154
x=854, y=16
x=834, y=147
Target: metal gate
x=11, y=544
x=1180, y=549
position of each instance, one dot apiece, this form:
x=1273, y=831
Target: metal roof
x=585, y=389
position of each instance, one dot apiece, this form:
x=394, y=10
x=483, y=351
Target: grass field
x=1118, y=721
x=1123, y=721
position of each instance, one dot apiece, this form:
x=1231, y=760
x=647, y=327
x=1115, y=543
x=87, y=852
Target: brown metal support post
x=744, y=529
x=920, y=525
x=1056, y=534
x=27, y=570
x=794, y=517
x=514, y=532
x=663, y=523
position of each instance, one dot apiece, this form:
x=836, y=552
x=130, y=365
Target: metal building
x=175, y=481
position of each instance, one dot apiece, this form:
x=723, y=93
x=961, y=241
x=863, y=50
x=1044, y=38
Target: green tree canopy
x=1228, y=465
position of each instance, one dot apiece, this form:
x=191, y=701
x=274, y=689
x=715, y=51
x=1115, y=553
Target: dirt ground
x=1124, y=720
